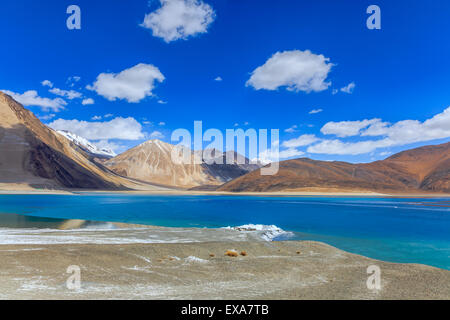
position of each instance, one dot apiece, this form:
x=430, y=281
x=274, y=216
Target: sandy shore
x=216, y=193
x=308, y=192
x=270, y=270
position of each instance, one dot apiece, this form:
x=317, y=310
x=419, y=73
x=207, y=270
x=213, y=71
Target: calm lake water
x=391, y=229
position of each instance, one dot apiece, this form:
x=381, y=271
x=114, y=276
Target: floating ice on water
x=267, y=232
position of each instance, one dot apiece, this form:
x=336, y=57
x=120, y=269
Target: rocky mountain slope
x=152, y=162
x=35, y=156
x=422, y=169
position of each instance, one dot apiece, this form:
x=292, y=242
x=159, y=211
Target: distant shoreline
x=309, y=192
x=189, y=193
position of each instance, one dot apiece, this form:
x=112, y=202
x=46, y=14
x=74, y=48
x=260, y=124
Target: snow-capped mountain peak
x=86, y=145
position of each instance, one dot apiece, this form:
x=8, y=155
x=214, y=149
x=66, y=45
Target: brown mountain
x=33, y=155
x=152, y=162
x=422, y=169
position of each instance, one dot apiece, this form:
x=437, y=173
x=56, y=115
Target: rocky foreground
x=250, y=270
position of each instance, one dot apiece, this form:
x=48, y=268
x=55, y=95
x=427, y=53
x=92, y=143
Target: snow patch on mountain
x=86, y=145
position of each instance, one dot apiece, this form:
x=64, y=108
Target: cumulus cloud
x=291, y=129
x=47, y=117
x=156, y=135
x=105, y=144
x=47, y=83
x=314, y=111
x=87, y=101
x=377, y=128
x=397, y=134
x=69, y=94
x=74, y=79
x=303, y=140
x=349, y=88
x=218, y=79
x=347, y=128
x=117, y=128
x=133, y=84
x=179, y=19
x=270, y=155
x=32, y=99
x=296, y=70
x=71, y=81
x=339, y=147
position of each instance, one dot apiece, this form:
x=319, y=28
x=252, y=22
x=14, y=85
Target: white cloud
x=162, y=102
x=270, y=155
x=349, y=88
x=133, y=84
x=87, y=101
x=162, y=123
x=377, y=128
x=74, y=79
x=291, y=129
x=347, y=148
x=347, y=128
x=290, y=153
x=297, y=70
x=156, y=135
x=48, y=117
x=31, y=98
x=105, y=144
x=397, y=134
x=95, y=118
x=117, y=128
x=69, y=94
x=47, y=83
x=218, y=79
x=108, y=115
x=179, y=19
x=303, y=140
x=314, y=111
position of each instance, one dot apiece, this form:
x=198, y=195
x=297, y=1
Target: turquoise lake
x=408, y=230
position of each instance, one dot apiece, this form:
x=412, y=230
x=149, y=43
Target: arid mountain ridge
x=152, y=162
x=34, y=155
x=424, y=169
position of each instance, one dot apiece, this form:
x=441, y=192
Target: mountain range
x=423, y=169
x=36, y=156
x=152, y=162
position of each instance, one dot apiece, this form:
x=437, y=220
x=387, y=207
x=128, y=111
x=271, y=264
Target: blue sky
x=170, y=74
